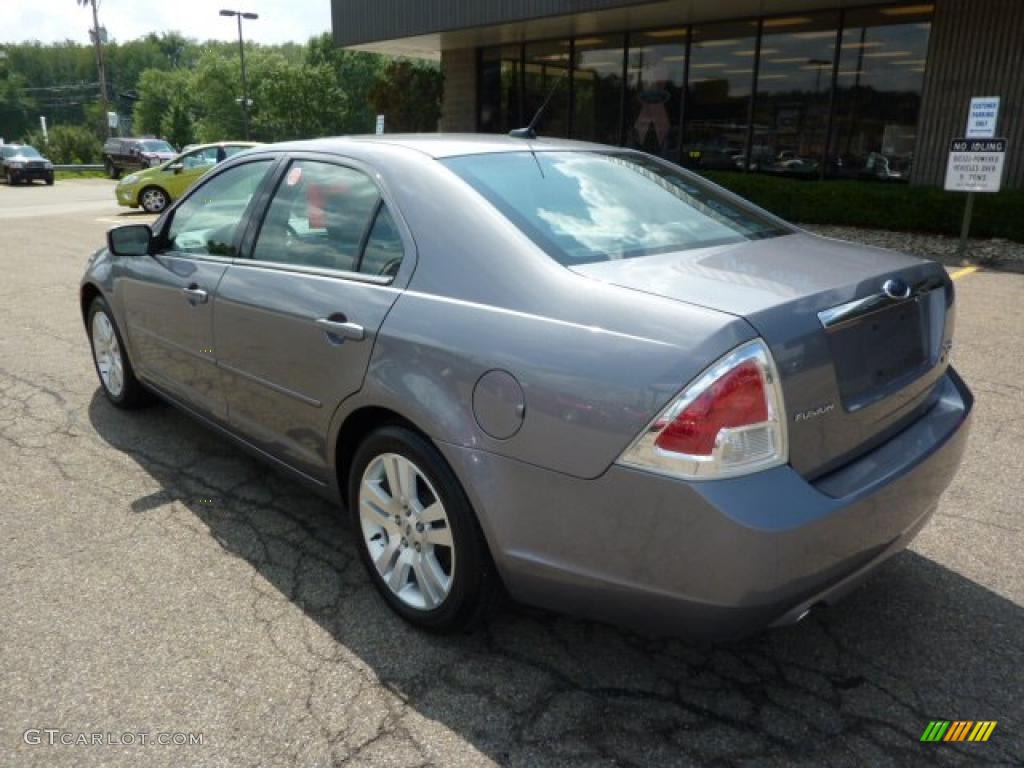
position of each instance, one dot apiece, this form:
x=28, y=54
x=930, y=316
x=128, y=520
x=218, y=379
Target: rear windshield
x=582, y=207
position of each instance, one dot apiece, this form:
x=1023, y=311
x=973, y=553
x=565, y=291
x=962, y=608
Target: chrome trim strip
x=859, y=308
x=271, y=385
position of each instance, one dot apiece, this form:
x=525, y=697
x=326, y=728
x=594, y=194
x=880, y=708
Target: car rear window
x=584, y=206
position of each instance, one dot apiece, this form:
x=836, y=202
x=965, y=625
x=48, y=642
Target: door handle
x=195, y=294
x=338, y=325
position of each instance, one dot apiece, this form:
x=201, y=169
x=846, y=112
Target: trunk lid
x=856, y=366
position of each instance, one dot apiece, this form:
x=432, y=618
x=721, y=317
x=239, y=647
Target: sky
x=51, y=20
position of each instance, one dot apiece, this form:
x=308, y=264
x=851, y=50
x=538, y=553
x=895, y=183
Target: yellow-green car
x=155, y=188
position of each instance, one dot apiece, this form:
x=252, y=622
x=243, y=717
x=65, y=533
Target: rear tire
x=111, y=361
x=112, y=170
x=420, y=541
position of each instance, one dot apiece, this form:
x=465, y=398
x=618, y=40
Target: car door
x=168, y=298
x=189, y=168
x=296, y=322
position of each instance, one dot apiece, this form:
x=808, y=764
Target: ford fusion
x=576, y=373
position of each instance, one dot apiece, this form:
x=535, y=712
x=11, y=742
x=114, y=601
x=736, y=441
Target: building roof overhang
x=424, y=28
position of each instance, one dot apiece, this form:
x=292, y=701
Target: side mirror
x=130, y=240
x=176, y=167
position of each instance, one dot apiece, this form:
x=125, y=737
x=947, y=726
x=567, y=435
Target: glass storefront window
x=547, y=65
x=718, y=95
x=597, y=89
x=794, y=84
x=699, y=110
x=500, y=70
x=878, y=91
x=654, y=90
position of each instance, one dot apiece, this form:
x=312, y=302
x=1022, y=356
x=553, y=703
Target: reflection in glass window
x=597, y=98
x=547, y=64
x=384, y=250
x=200, y=158
x=878, y=92
x=318, y=217
x=582, y=207
x=207, y=222
x=794, y=83
x=500, y=69
x=654, y=90
x=718, y=102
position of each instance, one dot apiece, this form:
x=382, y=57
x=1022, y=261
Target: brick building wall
x=458, y=109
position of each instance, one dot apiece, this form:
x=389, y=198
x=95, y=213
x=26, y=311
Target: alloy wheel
x=406, y=531
x=154, y=200
x=108, y=354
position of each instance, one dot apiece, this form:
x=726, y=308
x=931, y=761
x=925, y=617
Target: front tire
x=153, y=199
x=112, y=365
x=417, y=534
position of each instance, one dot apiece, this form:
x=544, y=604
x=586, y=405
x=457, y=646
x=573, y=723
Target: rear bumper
x=714, y=559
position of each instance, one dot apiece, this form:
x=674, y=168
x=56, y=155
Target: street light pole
x=239, y=15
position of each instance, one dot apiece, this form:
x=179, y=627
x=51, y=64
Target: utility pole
x=241, y=52
x=97, y=40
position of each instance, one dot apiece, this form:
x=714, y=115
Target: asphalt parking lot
x=157, y=580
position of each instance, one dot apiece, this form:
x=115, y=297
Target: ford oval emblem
x=895, y=288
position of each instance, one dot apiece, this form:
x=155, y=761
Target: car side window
x=207, y=220
x=384, y=250
x=318, y=217
x=201, y=157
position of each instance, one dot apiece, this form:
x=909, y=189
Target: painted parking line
x=964, y=272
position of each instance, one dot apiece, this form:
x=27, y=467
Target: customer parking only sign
x=975, y=165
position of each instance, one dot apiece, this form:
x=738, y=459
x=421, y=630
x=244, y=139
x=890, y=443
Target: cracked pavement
x=156, y=579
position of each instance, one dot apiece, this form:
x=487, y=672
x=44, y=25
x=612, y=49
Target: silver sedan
x=574, y=373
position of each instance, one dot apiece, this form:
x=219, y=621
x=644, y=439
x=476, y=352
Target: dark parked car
x=120, y=155
x=22, y=163
x=578, y=371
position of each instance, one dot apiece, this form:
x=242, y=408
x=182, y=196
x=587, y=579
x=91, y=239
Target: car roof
x=440, y=145
x=229, y=143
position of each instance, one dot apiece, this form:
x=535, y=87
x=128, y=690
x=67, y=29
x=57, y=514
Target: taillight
x=729, y=421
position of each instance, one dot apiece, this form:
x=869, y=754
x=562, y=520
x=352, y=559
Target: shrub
x=899, y=207
x=68, y=144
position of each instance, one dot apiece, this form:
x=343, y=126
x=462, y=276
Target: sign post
x=380, y=125
x=976, y=161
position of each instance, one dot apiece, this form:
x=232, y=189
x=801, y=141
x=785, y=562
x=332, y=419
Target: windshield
x=582, y=207
x=156, y=146
x=25, y=151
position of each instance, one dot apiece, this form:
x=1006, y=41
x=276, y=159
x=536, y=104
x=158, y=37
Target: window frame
x=257, y=220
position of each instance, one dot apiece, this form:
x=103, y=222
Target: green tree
x=158, y=90
x=215, y=88
x=16, y=108
x=177, y=125
x=356, y=73
x=297, y=101
x=409, y=96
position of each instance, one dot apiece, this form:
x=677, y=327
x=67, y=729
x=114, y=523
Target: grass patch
x=897, y=207
x=64, y=175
